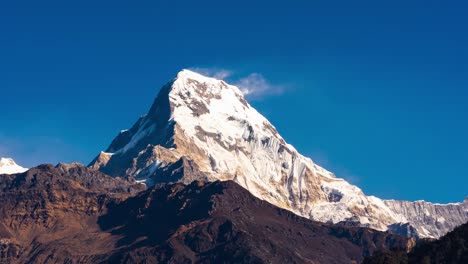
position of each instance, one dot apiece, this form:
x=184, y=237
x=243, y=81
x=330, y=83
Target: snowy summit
x=201, y=128
x=9, y=166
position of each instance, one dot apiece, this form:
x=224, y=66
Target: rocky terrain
x=72, y=214
x=451, y=248
x=200, y=128
x=49, y=214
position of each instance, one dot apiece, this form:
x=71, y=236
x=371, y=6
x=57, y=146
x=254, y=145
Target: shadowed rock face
x=73, y=214
x=150, y=130
x=49, y=214
x=451, y=248
x=222, y=222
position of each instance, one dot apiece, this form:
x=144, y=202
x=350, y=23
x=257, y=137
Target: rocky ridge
x=72, y=214
x=49, y=213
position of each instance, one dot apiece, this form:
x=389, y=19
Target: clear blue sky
x=376, y=92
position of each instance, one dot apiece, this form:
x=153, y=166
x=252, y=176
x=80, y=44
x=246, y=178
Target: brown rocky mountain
x=73, y=214
x=49, y=214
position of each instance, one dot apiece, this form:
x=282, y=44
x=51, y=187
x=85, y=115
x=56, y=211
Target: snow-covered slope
x=203, y=128
x=9, y=166
x=431, y=219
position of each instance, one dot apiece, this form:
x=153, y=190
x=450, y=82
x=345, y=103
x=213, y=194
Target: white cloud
x=255, y=86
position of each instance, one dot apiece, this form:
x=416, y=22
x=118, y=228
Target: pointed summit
x=185, y=74
x=200, y=128
x=204, y=86
x=187, y=110
x=9, y=166
x=200, y=95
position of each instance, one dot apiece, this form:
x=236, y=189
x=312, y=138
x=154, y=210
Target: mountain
x=221, y=222
x=451, y=248
x=73, y=214
x=49, y=214
x=9, y=166
x=200, y=128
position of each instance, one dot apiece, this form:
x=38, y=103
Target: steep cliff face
x=201, y=128
x=433, y=220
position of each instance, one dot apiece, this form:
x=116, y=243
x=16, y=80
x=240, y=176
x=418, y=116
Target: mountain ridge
x=70, y=213
x=200, y=128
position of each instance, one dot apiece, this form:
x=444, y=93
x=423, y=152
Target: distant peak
x=9, y=166
x=7, y=161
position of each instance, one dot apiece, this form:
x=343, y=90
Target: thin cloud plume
x=254, y=85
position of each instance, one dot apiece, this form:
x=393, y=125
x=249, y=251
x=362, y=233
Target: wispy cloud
x=254, y=85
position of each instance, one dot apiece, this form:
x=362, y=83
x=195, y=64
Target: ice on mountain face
x=9, y=166
x=431, y=220
x=200, y=128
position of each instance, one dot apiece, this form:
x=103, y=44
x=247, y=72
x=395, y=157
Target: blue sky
x=376, y=92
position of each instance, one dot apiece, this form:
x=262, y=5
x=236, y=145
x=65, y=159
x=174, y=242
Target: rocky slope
x=221, y=222
x=451, y=248
x=9, y=166
x=200, y=128
x=49, y=214
x=73, y=214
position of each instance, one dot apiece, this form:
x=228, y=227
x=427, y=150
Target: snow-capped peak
x=185, y=74
x=201, y=128
x=9, y=166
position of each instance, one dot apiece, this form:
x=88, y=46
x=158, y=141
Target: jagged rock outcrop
x=207, y=129
x=433, y=220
